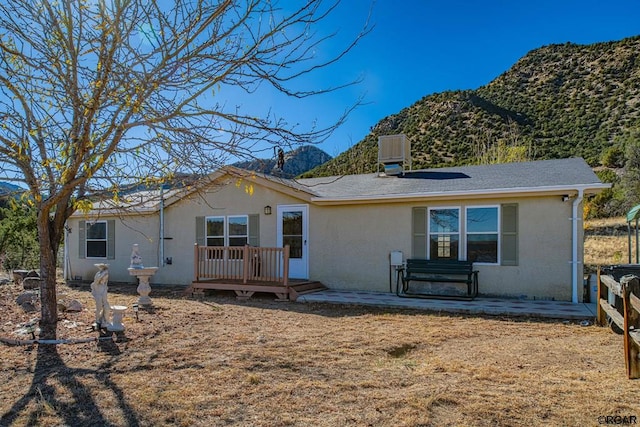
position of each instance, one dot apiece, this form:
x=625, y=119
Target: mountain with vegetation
x=294, y=162
x=6, y=188
x=557, y=101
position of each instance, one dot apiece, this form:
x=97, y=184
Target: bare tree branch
x=100, y=95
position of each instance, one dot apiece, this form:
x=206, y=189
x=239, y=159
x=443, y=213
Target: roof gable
x=150, y=201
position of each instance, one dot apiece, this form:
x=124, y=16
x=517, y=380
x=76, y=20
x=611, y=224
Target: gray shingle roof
x=544, y=174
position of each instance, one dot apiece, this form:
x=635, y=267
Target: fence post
x=245, y=264
x=601, y=317
x=196, y=270
x=285, y=267
x=630, y=287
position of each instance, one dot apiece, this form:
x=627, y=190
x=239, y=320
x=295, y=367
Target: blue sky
x=422, y=47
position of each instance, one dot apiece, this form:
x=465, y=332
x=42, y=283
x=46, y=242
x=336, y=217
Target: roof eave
x=467, y=194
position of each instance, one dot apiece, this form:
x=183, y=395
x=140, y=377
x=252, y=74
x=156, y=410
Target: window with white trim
x=444, y=233
x=215, y=231
x=96, y=239
x=482, y=234
x=227, y=231
x=238, y=230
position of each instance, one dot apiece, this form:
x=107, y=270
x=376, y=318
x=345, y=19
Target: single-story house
x=520, y=223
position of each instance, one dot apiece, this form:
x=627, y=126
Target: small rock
x=72, y=305
x=18, y=276
x=31, y=283
x=28, y=307
x=26, y=297
x=4, y=282
x=32, y=273
x=69, y=324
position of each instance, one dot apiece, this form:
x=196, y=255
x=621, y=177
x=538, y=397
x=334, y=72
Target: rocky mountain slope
x=557, y=101
x=296, y=162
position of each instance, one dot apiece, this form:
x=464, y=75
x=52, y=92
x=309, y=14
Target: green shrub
x=18, y=237
x=613, y=157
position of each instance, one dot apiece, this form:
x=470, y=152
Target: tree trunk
x=48, y=299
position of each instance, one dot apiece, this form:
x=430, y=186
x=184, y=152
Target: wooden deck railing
x=242, y=263
x=624, y=312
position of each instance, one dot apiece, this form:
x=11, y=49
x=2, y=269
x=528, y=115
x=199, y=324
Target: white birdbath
x=116, y=323
x=144, y=289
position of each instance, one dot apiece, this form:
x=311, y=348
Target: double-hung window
x=215, y=231
x=444, y=233
x=228, y=231
x=237, y=234
x=482, y=234
x=237, y=230
x=96, y=239
x=475, y=233
x=231, y=230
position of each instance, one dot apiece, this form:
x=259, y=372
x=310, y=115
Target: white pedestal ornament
x=143, y=274
x=116, y=324
x=144, y=289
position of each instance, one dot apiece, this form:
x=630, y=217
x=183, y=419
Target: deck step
x=297, y=289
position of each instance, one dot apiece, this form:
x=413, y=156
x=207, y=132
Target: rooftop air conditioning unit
x=394, y=153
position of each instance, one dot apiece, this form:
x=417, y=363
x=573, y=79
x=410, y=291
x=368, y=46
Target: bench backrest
x=427, y=266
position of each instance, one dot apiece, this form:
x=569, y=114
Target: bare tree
x=96, y=95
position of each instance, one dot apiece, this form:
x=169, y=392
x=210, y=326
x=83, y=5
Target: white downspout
x=65, y=273
x=576, y=219
x=161, y=263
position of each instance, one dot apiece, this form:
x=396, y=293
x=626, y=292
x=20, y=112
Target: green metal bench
x=438, y=271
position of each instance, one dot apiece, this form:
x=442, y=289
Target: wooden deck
x=247, y=270
x=246, y=290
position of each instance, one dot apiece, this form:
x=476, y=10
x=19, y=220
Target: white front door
x=293, y=231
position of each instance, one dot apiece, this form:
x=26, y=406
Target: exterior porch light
x=267, y=210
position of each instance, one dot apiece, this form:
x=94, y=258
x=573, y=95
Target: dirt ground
x=221, y=362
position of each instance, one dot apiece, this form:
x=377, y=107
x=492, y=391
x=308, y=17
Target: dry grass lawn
x=221, y=362
x=606, y=242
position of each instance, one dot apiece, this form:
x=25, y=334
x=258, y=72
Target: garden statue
x=136, y=259
x=99, y=292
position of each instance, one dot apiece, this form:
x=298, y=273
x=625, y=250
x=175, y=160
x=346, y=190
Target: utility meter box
x=395, y=258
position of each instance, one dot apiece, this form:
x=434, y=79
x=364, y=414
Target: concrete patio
x=488, y=306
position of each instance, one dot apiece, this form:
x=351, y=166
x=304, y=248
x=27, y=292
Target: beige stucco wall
x=142, y=230
x=237, y=198
x=348, y=246
x=226, y=200
x=366, y=234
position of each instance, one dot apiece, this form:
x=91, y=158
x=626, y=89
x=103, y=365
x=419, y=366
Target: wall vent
x=394, y=153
